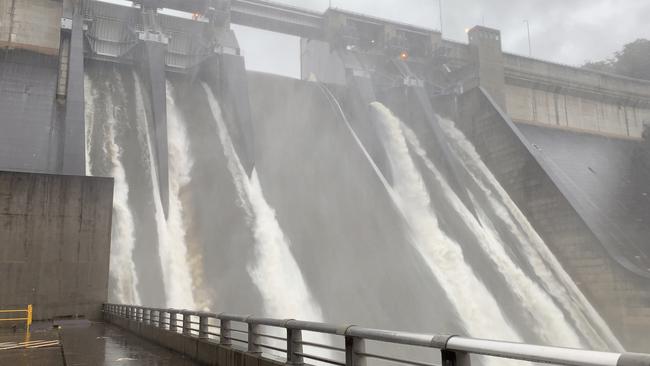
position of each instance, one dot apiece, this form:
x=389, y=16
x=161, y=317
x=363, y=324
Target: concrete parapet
x=207, y=352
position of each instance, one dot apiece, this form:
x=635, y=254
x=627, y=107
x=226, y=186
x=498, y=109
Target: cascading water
x=124, y=280
x=549, y=322
x=180, y=166
x=554, y=279
x=171, y=235
x=274, y=270
x=477, y=308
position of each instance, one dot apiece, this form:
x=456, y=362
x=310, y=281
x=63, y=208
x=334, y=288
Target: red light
x=404, y=55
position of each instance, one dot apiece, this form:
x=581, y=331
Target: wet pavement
x=38, y=347
x=86, y=343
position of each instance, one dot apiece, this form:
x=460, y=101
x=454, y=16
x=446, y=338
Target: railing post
x=146, y=314
x=253, y=338
x=186, y=324
x=294, y=347
x=161, y=319
x=204, y=326
x=453, y=358
x=353, y=348
x=173, y=318
x=225, y=333
x=156, y=319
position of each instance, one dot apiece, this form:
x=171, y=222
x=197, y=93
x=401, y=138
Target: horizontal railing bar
x=396, y=360
x=270, y=336
x=413, y=339
x=312, y=344
x=238, y=331
x=10, y=319
x=267, y=321
x=236, y=339
x=322, y=359
x=235, y=318
x=14, y=311
x=270, y=347
x=527, y=352
x=315, y=327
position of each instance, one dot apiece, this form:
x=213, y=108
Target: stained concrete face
x=562, y=110
x=30, y=138
x=55, y=234
x=31, y=24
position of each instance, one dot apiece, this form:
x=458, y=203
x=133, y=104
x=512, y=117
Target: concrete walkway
x=84, y=343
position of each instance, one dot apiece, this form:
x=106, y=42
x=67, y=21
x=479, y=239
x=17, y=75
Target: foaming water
x=274, y=270
x=124, y=280
x=171, y=236
x=180, y=167
x=477, y=308
x=90, y=94
x=548, y=319
x=545, y=265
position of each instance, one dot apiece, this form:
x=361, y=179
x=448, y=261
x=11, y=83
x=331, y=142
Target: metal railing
x=27, y=318
x=260, y=335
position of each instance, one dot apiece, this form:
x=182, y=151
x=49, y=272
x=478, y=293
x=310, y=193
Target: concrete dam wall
x=335, y=199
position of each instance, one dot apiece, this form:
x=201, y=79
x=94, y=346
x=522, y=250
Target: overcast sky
x=565, y=31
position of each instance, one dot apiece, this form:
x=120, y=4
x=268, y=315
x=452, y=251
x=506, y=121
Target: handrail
x=27, y=318
x=455, y=350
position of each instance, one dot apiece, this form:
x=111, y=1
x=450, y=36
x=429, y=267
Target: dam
x=405, y=181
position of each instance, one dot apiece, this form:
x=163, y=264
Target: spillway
x=405, y=182
x=317, y=232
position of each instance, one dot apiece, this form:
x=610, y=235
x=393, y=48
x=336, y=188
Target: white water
x=548, y=319
x=122, y=267
x=274, y=270
x=477, y=308
x=90, y=94
x=180, y=168
x=171, y=236
x=545, y=265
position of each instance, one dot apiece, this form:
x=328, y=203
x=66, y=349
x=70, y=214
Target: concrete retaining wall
x=55, y=236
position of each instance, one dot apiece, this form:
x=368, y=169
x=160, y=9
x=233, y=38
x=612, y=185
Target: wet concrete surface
x=87, y=343
x=105, y=344
x=45, y=356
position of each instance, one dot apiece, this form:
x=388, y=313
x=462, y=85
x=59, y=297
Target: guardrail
x=27, y=318
x=455, y=350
